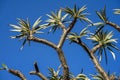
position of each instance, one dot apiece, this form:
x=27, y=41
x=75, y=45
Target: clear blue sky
x=77, y=58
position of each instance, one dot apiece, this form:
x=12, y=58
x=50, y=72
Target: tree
x=65, y=20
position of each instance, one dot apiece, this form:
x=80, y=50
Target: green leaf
x=85, y=19
x=18, y=36
x=82, y=9
x=75, y=8
x=82, y=76
x=73, y=36
x=54, y=75
x=97, y=77
x=54, y=15
x=49, y=16
x=100, y=16
x=16, y=30
x=39, y=27
x=84, y=32
x=24, y=24
x=36, y=23
x=5, y=66
x=24, y=42
x=58, y=71
x=97, y=24
x=111, y=40
x=64, y=17
x=106, y=57
x=116, y=11
x=28, y=23
x=109, y=35
x=38, y=32
x=111, y=51
x=100, y=52
x=59, y=14
x=114, y=46
x=68, y=10
x=99, y=29
x=15, y=26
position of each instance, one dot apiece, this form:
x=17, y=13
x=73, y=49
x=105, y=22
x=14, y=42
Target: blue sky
x=77, y=58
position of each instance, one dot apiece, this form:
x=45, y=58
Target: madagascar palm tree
x=56, y=20
x=105, y=42
x=74, y=36
x=77, y=13
x=102, y=15
x=26, y=30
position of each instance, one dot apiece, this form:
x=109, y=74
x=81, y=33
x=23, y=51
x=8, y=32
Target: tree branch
x=58, y=49
x=43, y=41
x=62, y=26
x=94, y=49
x=64, y=64
x=17, y=73
x=60, y=55
x=113, y=25
x=60, y=52
x=84, y=46
x=71, y=25
x=63, y=37
x=37, y=72
x=36, y=67
x=93, y=58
